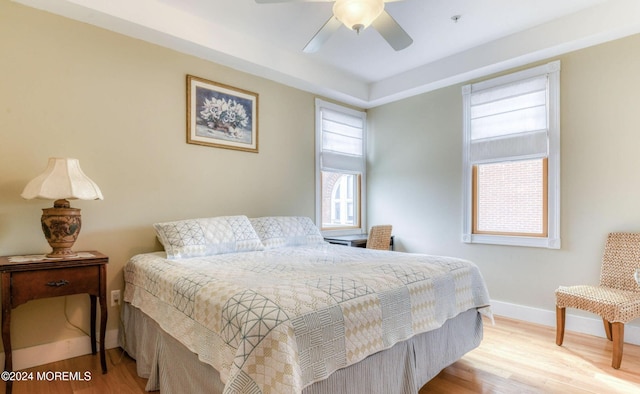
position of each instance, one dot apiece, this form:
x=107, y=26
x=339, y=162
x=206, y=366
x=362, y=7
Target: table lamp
x=63, y=180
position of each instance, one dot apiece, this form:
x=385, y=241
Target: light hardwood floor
x=514, y=357
x=519, y=357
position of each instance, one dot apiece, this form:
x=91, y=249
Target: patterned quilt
x=277, y=320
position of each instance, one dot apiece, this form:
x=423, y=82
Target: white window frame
x=552, y=241
x=320, y=104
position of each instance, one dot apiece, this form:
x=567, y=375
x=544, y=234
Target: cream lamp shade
x=357, y=14
x=61, y=181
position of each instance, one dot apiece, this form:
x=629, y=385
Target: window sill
x=342, y=231
x=536, y=242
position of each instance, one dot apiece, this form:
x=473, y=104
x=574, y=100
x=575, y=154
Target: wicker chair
x=379, y=237
x=616, y=299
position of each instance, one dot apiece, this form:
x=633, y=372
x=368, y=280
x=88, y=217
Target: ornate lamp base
x=61, y=226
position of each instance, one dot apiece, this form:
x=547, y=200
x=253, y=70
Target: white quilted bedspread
x=275, y=321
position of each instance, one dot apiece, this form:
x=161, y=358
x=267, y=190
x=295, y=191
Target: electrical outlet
x=115, y=297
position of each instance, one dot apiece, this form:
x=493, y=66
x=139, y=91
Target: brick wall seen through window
x=510, y=198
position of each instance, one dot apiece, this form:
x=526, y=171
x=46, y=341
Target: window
x=340, y=167
x=342, y=198
x=511, y=159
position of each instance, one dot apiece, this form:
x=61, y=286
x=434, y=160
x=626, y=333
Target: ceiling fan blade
x=391, y=31
x=332, y=25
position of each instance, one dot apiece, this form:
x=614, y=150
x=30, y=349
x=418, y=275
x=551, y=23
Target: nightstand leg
x=6, y=327
x=103, y=330
x=93, y=324
x=103, y=315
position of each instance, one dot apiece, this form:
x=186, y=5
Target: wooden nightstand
x=26, y=278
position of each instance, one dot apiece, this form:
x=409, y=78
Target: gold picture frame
x=221, y=116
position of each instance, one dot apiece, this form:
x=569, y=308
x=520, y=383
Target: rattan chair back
x=620, y=260
x=379, y=237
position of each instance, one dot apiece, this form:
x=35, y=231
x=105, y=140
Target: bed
x=264, y=305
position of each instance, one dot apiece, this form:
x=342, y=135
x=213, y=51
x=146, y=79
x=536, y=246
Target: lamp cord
x=68, y=320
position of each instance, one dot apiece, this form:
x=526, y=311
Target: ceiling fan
x=356, y=15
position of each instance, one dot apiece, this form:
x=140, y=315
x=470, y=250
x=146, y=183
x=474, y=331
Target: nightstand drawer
x=30, y=285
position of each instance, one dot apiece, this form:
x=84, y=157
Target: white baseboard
x=56, y=351
x=69, y=348
x=581, y=324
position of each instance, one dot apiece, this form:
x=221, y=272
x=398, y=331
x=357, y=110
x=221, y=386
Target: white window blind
x=342, y=146
x=509, y=121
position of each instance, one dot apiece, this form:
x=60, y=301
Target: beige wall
x=415, y=175
x=118, y=105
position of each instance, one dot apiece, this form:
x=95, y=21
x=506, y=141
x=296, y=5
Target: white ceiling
x=363, y=70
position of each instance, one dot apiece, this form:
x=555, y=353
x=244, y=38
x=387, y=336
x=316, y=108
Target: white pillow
x=207, y=236
x=280, y=231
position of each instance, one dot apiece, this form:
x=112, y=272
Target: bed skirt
x=402, y=369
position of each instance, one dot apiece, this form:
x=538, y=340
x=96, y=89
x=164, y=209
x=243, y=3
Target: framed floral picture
x=221, y=116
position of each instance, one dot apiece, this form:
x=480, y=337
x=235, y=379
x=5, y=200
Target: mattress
x=278, y=320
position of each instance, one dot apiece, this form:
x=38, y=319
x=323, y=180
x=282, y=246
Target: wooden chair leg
x=607, y=328
x=617, y=332
x=560, y=319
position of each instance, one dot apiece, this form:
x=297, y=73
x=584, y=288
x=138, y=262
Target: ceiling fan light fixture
x=357, y=14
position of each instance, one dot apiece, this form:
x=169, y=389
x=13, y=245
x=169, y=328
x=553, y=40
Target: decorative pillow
x=280, y=231
x=207, y=236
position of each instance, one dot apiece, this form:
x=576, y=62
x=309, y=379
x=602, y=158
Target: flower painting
x=221, y=116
